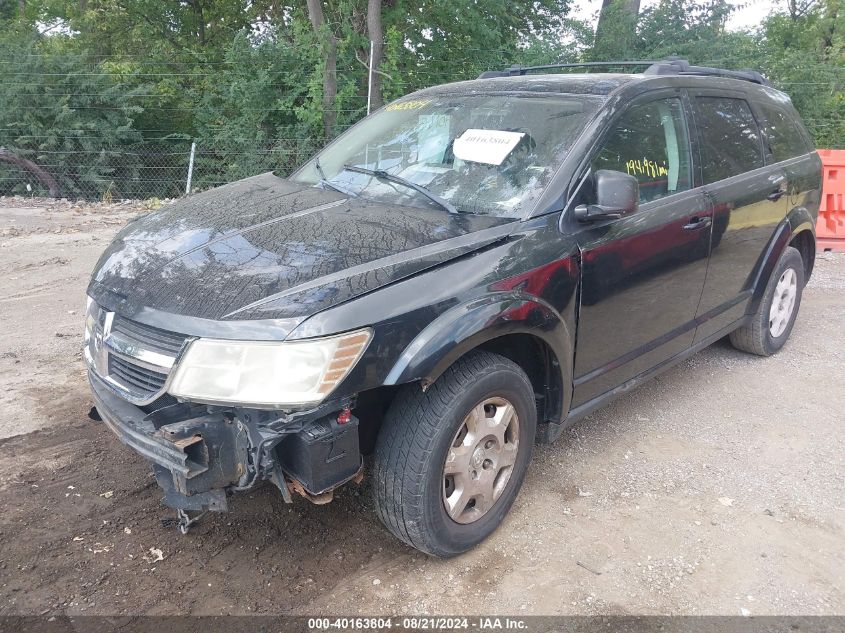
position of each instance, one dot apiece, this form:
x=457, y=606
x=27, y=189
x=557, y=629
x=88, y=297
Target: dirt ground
x=715, y=489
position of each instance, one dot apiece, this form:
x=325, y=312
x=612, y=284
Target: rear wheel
x=771, y=325
x=450, y=461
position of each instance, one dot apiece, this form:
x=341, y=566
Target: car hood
x=269, y=248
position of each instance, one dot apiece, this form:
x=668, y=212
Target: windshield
x=483, y=154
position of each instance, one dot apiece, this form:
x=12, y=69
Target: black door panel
x=642, y=274
x=749, y=200
x=642, y=279
x=745, y=218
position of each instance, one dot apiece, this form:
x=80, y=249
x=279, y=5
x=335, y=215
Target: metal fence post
x=190, y=168
x=370, y=79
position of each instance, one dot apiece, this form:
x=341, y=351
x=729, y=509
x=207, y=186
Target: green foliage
x=66, y=115
x=255, y=115
x=108, y=95
x=615, y=34
x=802, y=55
x=687, y=29
x=806, y=57
x=448, y=41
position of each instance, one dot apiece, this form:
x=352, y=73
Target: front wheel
x=771, y=325
x=450, y=461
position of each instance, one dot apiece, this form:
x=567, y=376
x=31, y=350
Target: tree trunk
x=324, y=33
x=831, y=14
x=40, y=173
x=601, y=25
x=618, y=37
x=374, y=30
x=196, y=5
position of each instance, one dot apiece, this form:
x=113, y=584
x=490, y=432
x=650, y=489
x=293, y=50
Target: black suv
x=473, y=267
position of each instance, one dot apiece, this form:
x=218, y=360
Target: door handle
x=698, y=223
x=776, y=195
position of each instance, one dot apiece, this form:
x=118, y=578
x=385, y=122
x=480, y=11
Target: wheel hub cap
x=477, y=457
x=480, y=460
x=783, y=302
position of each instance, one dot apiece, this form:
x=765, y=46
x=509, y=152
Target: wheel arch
x=524, y=329
x=796, y=229
x=804, y=241
x=802, y=225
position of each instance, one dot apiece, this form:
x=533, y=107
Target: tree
x=328, y=43
x=60, y=112
x=616, y=29
x=106, y=95
x=805, y=55
x=376, y=35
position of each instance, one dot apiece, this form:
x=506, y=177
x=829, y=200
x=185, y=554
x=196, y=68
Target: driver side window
x=650, y=142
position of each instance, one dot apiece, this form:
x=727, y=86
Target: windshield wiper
x=325, y=181
x=383, y=175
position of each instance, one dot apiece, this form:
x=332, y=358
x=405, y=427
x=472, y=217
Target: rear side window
x=730, y=139
x=784, y=138
x=650, y=143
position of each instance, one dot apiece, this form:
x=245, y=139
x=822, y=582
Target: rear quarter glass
x=782, y=133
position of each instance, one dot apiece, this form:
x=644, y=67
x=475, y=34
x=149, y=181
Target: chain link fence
x=160, y=168
x=72, y=165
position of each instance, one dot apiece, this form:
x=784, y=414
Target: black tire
x=417, y=436
x=757, y=337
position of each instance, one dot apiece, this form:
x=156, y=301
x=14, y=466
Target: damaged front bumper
x=200, y=454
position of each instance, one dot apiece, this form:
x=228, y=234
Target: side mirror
x=617, y=194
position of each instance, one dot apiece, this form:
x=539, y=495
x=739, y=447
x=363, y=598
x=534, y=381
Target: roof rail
x=668, y=66
x=517, y=70
x=677, y=66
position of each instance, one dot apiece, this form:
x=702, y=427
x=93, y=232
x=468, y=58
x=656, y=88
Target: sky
x=749, y=13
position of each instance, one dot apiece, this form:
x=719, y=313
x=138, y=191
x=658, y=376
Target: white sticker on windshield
x=486, y=146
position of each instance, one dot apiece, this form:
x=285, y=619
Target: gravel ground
x=716, y=488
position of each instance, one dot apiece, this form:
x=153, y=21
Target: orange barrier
x=830, y=227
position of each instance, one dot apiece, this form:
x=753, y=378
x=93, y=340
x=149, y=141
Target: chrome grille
x=132, y=358
x=147, y=336
x=138, y=378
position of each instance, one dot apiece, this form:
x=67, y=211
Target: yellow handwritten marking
x=645, y=167
x=411, y=104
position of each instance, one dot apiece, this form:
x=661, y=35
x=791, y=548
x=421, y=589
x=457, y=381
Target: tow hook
x=184, y=520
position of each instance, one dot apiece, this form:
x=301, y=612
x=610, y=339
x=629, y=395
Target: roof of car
x=671, y=71
x=601, y=85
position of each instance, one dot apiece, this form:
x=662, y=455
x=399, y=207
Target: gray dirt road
x=717, y=488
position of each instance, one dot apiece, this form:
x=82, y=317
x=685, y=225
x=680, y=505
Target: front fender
x=469, y=325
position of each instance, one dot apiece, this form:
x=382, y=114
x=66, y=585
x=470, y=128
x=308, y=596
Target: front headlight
x=266, y=374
